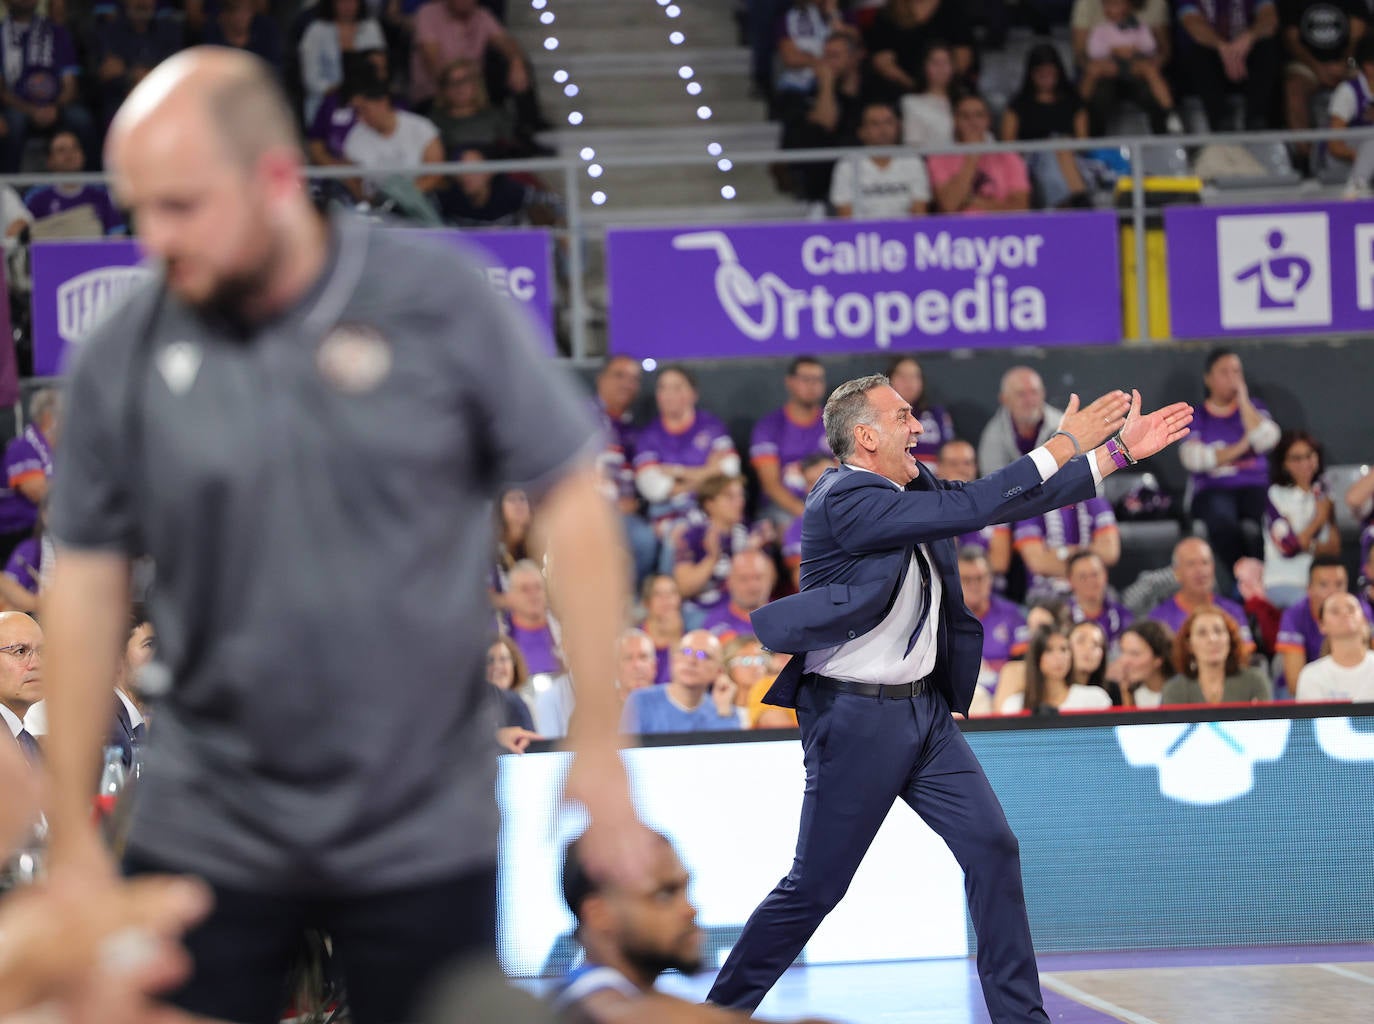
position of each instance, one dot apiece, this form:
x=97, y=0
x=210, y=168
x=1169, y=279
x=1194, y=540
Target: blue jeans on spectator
x=72, y=118
x=643, y=547
x=1048, y=177
x=1224, y=510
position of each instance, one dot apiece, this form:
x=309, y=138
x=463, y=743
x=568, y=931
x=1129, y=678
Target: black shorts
x=388, y=948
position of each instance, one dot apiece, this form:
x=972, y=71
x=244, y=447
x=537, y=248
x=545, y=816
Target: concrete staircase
x=616, y=74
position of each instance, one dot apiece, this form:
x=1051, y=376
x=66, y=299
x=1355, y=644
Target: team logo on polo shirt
x=354, y=358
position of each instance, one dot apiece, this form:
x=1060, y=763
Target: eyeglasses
x=695, y=652
x=750, y=661
x=22, y=652
x=1299, y=456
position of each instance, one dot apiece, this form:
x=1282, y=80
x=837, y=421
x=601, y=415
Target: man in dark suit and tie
x=885, y=654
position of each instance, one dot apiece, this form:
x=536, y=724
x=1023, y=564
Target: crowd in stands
x=866, y=73
x=376, y=84
x=1254, y=605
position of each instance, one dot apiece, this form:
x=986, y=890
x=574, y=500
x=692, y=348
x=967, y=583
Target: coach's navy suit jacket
x=857, y=538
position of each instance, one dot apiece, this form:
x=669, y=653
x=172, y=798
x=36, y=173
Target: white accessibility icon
x=1204, y=763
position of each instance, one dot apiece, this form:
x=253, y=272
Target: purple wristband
x=1118, y=456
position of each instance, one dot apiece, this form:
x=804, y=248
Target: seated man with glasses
x=21, y=676
x=698, y=696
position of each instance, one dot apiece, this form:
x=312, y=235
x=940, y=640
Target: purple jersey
x=28, y=455
x=691, y=547
x=664, y=657
x=538, y=646
x=1114, y=617
x=727, y=621
x=981, y=539
x=1366, y=542
x=1004, y=632
x=780, y=439
x=24, y=564
x=1217, y=432
x=332, y=123
x=36, y=57
x=1173, y=613
x=1073, y=526
x=616, y=458
x=52, y=199
x=1300, y=632
x=937, y=430
x=656, y=445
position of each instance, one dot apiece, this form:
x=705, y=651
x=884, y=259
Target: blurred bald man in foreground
x=248, y=420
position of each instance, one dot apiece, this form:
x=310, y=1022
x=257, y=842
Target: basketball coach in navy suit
x=884, y=651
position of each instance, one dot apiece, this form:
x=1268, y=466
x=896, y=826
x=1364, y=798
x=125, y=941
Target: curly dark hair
x=1184, y=662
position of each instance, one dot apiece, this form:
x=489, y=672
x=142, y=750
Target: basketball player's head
x=205, y=157
x=650, y=928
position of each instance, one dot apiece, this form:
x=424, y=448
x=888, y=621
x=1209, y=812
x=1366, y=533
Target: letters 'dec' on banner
x=852, y=286
x=1266, y=270
x=76, y=283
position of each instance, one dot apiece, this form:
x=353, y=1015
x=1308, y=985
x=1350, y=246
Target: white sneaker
x=1173, y=124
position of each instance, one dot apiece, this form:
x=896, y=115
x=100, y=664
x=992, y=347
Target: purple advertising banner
x=74, y=283
x=847, y=286
x=1301, y=268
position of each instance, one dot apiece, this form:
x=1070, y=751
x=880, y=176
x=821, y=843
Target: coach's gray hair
x=847, y=408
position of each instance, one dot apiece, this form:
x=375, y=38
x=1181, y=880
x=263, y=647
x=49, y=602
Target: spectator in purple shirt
x=617, y=389
x=242, y=27
x=327, y=132
x=1300, y=631
x=1196, y=572
x=65, y=156
x=680, y=448
x=128, y=45
x=813, y=467
x=1231, y=434
x=662, y=620
x=41, y=74
x=937, y=428
x=528, y=622
x=786, y=436
x=1004, y=623
x=28, y=468
x=958, y=461
x=1046, y=542
x=1231, y=45
x=1089, y=600
x=748, y=588
x=706, y=543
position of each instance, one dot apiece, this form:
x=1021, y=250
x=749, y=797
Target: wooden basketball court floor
x=1252, y=985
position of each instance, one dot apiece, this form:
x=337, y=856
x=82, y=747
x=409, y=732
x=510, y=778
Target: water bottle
x=111, y=782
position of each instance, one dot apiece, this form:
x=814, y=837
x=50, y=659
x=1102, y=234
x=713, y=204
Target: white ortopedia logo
x=85, y=298
x=1204, y=762
x=1274, y=270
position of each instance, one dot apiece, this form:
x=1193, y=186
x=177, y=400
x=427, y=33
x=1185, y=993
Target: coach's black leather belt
x=887, y=691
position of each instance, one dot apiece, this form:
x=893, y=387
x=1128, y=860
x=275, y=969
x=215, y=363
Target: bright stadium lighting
x=546, y=18
x=587, y=153
x=575, y=117
x=693, y=88
x=676, y=38
x=650, y=364
x=560, y=76
x=570, y=90
x=550, y=43
x=594, y=171
x=713, y=148
x=539, y=5
x=672, y=10
x=704, y=112
x=727, y=191
x=685, y=72
x=598, y=198
x=724, y=164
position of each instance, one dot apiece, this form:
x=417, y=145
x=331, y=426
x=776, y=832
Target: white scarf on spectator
x=34, y=49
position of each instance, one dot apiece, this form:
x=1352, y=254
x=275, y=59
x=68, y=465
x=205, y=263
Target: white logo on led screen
x=1274, y=270
x=1204, y=762
x=85, y=298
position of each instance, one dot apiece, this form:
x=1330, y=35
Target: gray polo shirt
x=316, y=498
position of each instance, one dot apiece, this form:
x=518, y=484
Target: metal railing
x=577, y=232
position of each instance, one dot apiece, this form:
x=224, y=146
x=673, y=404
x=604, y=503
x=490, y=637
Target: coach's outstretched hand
x=1093, y=424
x=1147, y=435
